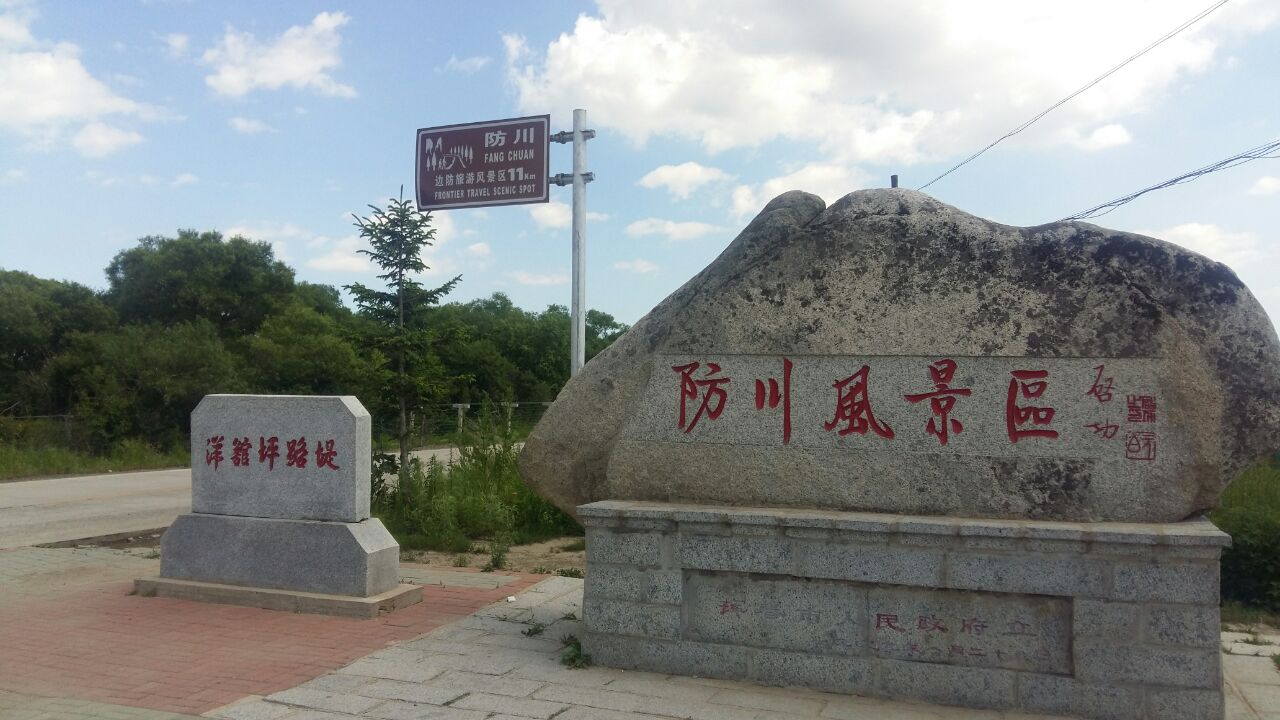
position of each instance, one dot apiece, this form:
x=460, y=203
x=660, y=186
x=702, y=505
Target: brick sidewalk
x=96, y=641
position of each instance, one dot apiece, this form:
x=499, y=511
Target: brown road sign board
x=497, y=162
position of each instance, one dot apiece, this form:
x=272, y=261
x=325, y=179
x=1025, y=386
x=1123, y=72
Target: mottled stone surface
x=357, y=559
x=318, y=470
x=895, y=281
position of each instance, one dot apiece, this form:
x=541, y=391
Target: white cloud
x=479, y=255
x=97, y=140
x=674, y=231
x=13, y=176
x=467, y=66
x=639, y=266
x=45, y=90
x=523, y=277
x=830, y=182
x=184, y=179
x=554, y=215
x=249, y=126
x=300, y=58
x=1237, y=250
x=1107, y=136
x=1266, y=185
x=868, y=81
x=176, y=44
x=343, y=257
x=681, y=180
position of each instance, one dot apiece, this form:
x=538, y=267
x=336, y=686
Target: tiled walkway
x=97, y=641
x=74, y=645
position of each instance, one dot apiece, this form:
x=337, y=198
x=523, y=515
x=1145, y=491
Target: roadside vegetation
x=1250, y=513
x=115, y=373
x=477, y=498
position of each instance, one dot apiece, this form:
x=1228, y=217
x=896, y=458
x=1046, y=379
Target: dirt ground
x=566, y=553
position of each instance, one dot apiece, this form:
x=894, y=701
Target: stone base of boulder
x=1093, y=620
x=400, y=596
x=359, y=559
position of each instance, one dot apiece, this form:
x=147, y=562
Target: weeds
x=533, y=630
x=570, y=572
x=540, y=570
x=571, y=654
x=1275, y=660
x=478, y=496
x=19, y=461
x=460, y=560
x=497, y=555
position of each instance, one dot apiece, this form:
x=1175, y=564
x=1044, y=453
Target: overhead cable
x=1268, y=150
x=1199, y=16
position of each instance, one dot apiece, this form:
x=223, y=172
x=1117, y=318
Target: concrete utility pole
x=579, y=179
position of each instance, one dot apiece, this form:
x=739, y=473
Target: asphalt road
x=35, y=512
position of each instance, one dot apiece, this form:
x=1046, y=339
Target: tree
x=233, y=284
x=397, y=236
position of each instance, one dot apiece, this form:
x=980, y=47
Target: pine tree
x=397, y=236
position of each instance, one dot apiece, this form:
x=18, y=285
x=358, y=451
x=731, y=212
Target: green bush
x=478, y=496
x=1250, y=514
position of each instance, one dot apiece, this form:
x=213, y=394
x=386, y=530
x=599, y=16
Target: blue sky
x=278, y=120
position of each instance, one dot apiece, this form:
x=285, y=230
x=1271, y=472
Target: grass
x=19, y=462
x=1250, y=513
x=479, y=496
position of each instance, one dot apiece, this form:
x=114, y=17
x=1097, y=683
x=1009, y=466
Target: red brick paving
x=101, y=643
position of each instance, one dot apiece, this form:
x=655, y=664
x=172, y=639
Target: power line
x=1200, y=16
x=1268, y=150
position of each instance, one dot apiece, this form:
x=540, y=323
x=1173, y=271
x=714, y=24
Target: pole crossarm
x=563, y=179
x=566, y=136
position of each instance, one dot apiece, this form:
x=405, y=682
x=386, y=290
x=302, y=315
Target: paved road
x=34, y=512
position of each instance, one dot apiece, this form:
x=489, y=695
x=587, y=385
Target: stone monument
x=280, y=511
x=890, y=448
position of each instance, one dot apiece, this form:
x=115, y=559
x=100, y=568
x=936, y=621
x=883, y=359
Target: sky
x=276, y=121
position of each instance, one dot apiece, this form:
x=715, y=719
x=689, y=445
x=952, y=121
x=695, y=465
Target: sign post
x=505, y=162
x=579, y=179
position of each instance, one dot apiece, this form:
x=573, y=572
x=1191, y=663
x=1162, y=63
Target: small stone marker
x=890, y=448
x=280, y=501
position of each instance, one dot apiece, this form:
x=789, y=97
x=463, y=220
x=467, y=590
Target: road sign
x=497, y=162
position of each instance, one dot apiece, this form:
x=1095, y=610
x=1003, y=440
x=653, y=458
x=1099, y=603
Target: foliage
x=571, y=573
x=1250, y=514
x=571, y=653
x=397, y=236
x=480, y=495
x=497, y=350
x=233, y=284
x=45, y=460
x=91, y=373
x=142, y=381
x=534, y=629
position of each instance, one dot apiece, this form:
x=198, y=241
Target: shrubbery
x=1250, y=514
x=478, y=496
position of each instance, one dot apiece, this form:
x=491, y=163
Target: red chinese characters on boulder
x=1140, y=445
x=1102, y=387
x=1142, y=408
x=853, y=408
x=775, y=396
x=714, y=396
x=941, y=400
x=1028, y=385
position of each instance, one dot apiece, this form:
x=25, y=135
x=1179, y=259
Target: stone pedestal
x=280, y=490
x=1094, y=620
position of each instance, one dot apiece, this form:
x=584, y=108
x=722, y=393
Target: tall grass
x=1250, y=513
x=18, y=462
x=477, y=496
